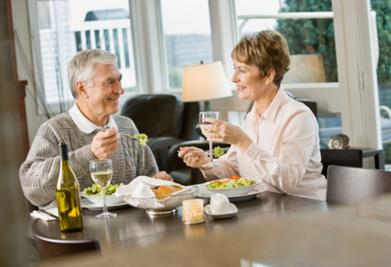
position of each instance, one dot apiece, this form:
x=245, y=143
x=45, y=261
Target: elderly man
x=89, y=130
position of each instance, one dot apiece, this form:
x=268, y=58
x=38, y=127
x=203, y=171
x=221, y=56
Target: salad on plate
x=94, y=194
x=234, y=186
x=229, y=183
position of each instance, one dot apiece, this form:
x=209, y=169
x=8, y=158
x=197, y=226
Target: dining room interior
x=176, y=63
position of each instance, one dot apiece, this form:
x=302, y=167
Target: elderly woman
x=89, y=130
x=278, y=142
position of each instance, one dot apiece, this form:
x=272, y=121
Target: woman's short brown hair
x=266, y=50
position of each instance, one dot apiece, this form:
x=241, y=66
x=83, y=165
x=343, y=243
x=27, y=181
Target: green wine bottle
x=67, y=196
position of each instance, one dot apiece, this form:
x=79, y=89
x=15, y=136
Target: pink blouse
x=284, y=154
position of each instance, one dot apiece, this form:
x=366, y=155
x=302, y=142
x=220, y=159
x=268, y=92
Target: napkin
x=38, y=214
x=141, y=186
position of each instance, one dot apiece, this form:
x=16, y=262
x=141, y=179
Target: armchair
x=165, y=119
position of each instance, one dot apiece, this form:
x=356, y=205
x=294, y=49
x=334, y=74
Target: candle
x=193, y=211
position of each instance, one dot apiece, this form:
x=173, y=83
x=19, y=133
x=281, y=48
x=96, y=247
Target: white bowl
x=169, y=203
x=98, y=199
x=233, y=192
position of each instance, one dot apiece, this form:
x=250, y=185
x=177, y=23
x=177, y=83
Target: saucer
x=232, y=212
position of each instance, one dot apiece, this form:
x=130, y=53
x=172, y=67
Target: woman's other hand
x=193, y=157
x=162, y=175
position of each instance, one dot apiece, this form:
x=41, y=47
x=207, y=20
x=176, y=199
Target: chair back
x=348, y=185
x=49, y=248
x=166, y=120
x=160, y=115
x=341, y=157
x=155, y=115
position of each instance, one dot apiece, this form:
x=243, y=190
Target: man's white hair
x=81, y=66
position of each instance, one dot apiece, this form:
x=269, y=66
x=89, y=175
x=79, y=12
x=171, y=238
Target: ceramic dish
x=156, y=207
x=232, y=212
x=232, y=192
x=86, y=204
x=241, y=195
x=98, y=200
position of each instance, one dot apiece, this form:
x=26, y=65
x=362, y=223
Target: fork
x=123, y=134
x=128, y=135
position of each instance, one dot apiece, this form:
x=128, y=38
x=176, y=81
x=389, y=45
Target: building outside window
x=187, y=36
x=66, y=27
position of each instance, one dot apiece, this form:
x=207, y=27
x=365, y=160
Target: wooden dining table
x=133, y=228
x=272, y=230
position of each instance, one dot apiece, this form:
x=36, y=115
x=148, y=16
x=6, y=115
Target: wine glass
x=205, y=125
x=101, y=173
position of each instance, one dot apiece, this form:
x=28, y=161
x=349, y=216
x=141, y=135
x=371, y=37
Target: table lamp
x=204, y=82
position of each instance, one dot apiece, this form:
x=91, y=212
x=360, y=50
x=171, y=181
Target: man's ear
x=81, y=89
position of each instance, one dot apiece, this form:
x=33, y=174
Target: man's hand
x=104, y=143
x=163, y=176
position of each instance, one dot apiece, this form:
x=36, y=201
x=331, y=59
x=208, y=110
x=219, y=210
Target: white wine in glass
x=102, y=178
x=205, y=125
x=101, y=173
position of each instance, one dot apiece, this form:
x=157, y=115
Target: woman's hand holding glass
x=206, y=121
x=224, y=132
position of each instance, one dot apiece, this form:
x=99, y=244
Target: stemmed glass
x=101, y=173
x=205, y=124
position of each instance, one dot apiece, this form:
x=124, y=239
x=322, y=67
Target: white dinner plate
x=98, y=199
x=204, y=193
x=86, y=204
x=231, y=192
x=233, y=210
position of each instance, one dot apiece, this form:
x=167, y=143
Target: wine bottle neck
x=64, y=152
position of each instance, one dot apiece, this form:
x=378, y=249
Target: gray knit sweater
x=39, y=173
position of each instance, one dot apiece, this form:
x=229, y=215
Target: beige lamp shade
x=306, y=69
x=204, y=82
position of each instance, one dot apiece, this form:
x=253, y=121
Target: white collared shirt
x=84, y=124
x=284, y=154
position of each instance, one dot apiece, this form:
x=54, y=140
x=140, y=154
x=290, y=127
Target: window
x=308, y=28
x=383, y=24
x=187, y=36
x=43, y=11
x=65, y=27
